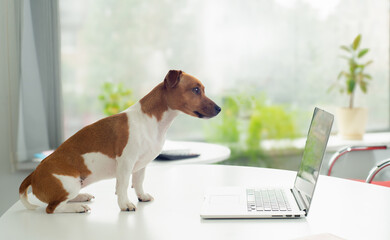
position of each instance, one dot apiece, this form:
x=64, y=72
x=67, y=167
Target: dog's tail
x=23, y=193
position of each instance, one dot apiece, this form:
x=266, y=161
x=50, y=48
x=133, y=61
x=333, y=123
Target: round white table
x=348, y=209
x=209, y=152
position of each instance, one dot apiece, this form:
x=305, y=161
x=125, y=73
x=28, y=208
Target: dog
x=118, y=146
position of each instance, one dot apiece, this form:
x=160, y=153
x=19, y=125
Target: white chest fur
x=146, y=139
x=146, y=135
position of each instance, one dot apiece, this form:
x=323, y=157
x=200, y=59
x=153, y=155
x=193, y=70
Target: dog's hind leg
x=56, y=190
x=65, y=207
x=71, y=187
x=82, y=197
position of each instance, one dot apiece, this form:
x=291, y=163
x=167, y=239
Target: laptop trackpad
x=224, y=199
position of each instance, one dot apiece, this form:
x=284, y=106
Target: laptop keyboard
x=267, y=200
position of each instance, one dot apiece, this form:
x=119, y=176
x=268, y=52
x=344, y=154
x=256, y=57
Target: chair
x=365, y=166
x=375, y=170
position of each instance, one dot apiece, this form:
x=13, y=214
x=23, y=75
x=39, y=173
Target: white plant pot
x=352, y=123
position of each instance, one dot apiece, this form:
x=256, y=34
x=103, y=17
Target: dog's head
x=186, y=93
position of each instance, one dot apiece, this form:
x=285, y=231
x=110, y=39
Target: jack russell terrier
x=117, y=146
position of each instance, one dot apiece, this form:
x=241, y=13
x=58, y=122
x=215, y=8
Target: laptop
x=263, y=202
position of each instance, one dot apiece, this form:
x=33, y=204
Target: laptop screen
x=317, y=139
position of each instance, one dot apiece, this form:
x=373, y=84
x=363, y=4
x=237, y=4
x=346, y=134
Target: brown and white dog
x=117, y=146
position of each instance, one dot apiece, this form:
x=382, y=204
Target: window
x=285, y=51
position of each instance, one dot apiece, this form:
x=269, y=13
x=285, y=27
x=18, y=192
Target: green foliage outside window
x=115, y=98
x=245, y=121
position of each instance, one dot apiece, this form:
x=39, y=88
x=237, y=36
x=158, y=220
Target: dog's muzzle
x=211, y=113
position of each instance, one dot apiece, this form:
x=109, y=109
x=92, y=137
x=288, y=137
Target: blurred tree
x=122, y=37
x=115, y=98
x=245, y=121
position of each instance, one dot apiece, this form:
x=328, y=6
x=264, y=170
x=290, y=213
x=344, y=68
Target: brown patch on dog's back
x=108, y=136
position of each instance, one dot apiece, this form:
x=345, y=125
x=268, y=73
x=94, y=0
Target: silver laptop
x=233, y=202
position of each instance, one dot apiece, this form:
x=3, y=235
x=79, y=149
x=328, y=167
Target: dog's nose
x=217, y=109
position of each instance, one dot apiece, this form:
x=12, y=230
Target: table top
x=348, y=209
x=209, y=152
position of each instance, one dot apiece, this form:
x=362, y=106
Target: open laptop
x=273, y=202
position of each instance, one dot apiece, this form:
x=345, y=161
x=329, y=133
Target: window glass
x=283, y=52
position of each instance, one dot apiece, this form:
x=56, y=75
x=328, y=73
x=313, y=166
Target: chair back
x=356, y=162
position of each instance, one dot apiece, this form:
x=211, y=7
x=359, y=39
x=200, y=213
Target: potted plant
x=352, y=120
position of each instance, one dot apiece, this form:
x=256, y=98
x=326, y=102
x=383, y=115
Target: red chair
x=375, y=170
x=372, y=168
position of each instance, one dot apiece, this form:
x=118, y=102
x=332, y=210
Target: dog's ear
x=172, y=78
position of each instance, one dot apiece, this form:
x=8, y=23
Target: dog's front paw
x=145, y=197
x=128, y=206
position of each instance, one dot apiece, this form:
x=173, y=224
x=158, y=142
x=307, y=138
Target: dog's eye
x=196, y=90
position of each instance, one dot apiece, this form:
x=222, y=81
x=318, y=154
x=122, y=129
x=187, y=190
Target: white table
x=348, y=209
x=209, y=152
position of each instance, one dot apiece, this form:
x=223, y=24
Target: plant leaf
x=352, y=66
x=330, y=88
x=345, y=74
x=356, y=42
x=368, y=76
x=340, y=75
x=360, y=66
x=363, y=52
x=368, y=63
x=350, y=85
x=345, y=48
x=363, y=86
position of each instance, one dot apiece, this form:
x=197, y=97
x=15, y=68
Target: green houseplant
x=352, y=120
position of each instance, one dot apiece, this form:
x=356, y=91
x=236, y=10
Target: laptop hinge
x=299, y=199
